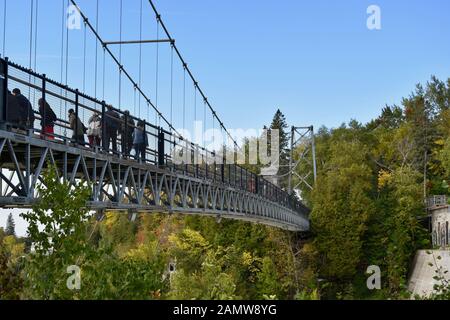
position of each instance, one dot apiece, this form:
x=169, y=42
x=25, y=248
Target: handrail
x=436, y=201
x=228, y=174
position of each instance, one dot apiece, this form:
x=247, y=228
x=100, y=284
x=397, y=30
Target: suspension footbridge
x=152, y=183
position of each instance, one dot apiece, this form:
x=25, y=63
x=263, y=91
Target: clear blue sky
x=315, y=60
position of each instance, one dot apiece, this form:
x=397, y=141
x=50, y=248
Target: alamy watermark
x=73, y=21
x=263, y=148
x=74, y=280
x=374, y=280
x=374, y=19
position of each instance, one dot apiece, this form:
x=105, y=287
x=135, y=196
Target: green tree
x=2, y=233
x=11, y=268
x=279, y=123
x=57, y=225
x=201, y=269
x=62, y=232
x=268, y=282
x=10, y=226
x=342, y=206
x=406, y=235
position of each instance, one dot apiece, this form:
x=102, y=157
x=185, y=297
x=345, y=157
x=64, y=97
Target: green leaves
x=61, y=229
x=341, y=208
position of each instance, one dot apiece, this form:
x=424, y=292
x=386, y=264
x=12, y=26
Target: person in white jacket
x=94, y=131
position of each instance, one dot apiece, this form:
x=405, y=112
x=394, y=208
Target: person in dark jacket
x=13, y=115
x=126, y=132
x=26, y=109
x=77, y=127
x=140, y=141
x=112, y=126
x=48, y=119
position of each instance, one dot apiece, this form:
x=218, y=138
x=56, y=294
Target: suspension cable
x=171, y=146
x=67, y=52
x=84, y=59
x=62, y=55
x=67, y=71
x=204, y=122
x=31, y=44
x=96, y=51
x=36, y=36
x=195, y=102
x=190, y=73
x=115, y=60
x=120, y=55
x=35, y=48
x=140, y=54
x=134, y=100
x=171, y=83
x=4, y=29
x=184, y=97
x=157, y=69
x=84, y=64
x=103, y=73
x=31, y=31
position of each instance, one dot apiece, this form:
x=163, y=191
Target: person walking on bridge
x=94, y=131
x=48, y=120
x=140, y=141
x=26, y=109
x=13, y=114
x=112, y=125
x=126, y=132
x=78, y=128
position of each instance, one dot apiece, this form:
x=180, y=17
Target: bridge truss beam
x=121, y=184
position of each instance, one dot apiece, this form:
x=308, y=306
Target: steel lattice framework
x=120, y=184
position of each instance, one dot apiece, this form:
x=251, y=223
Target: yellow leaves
x=9, y=242
x=247, y=258
x=143, y=252
x=439, y=142
x=251, y=262
x=12, y=247
x=111, y=218
x=189, y=240
x=384, y=177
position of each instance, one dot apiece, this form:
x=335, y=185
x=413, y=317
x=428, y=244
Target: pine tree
x=279, y=123
x=10, y=226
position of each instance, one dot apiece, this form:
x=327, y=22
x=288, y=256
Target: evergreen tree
x=10, y=226
x=279, y=123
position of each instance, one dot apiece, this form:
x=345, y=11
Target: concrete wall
x=424, y=268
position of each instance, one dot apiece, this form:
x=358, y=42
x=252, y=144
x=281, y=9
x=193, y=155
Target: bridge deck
x=121, y=184
x=157, y=184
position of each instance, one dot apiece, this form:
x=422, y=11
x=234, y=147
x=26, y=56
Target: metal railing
x=161, y=142
x=437, y=201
